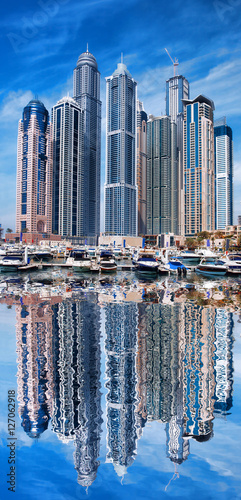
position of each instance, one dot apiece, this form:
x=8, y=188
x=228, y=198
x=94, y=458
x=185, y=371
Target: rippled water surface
x=125, y=387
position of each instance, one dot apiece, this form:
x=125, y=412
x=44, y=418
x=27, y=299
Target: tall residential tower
x=141, y=166
x=87, y=94
x=68, y=175
x=177, y=89
x=34, y=170
x=198, y=163
x=223, y=146
x=161, y=175
x=120, y=182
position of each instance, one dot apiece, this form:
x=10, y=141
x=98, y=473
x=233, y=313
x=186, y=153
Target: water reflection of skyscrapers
x=35, y=370
x=223, y=361
x=121, y=336
x=77, y=402
x=198, y=333
x=160, y=390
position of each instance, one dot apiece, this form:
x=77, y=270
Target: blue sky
x=41, y=42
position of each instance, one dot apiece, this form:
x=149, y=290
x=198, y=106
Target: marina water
x=125, y=388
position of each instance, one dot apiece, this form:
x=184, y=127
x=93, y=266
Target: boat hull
x=9, y=269
x=210, y=271
x=146, y=268
x=110, y=269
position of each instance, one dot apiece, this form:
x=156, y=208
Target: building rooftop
x=36, y=103
x=121, y=70
x=87, y=58
x=68, y=99
x=200, y=98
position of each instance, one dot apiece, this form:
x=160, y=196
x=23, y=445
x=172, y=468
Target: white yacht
x=145, y=260
x=80, y=260
x=233, y=262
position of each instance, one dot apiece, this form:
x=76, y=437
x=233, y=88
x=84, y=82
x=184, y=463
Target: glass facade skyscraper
x=177, y=89
x=34, y=170
x=68, y=175
x=141, y=166
x=198, y=162
x=161, y=175
x=223, y=147
x=120, y=182
x=87, y=95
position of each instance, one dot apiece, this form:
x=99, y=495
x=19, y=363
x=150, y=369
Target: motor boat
x=175, y=266
x=233, y=263
x=210, y=266
x=187, y=258
x=42, y=254
x=79, y=260
x=10, y=263
x=171, y=263
x=145, y=261
x=107, y=263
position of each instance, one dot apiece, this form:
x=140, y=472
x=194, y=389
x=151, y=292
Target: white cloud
x=13, y=105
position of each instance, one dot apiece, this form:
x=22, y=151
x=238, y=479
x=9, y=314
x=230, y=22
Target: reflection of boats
x=233, y=263
x=107, y=262
x=145, y=260
x=211, y=267
x=10, y=263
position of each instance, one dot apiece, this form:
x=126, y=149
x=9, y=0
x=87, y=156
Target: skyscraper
x=161, y=175
x=223, y=146
x=34, y=170
x=87, y=94
x=198, y=162
x=120, y=182
x=68, y=175
x=177, y=88
x=141, y=166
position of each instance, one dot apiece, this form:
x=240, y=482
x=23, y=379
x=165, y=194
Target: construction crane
x=175, y=63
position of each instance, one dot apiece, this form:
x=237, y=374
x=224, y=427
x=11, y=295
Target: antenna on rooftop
x=87, y=47
x=121, y=57
x=175, y=63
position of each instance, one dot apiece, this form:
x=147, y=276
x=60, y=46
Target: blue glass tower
x=120, y=183
x=223, y=147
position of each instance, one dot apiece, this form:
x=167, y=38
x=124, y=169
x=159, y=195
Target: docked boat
x=211, y=267
x=233, y=263
x=175, y=266
x=79, y=260
x=42, y=255
x=187, y=258
x=145, y=261
x=10, y=263
x=107, y=263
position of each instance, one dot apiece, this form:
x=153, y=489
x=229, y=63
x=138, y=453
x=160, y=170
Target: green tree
x=191, y=243
x=8, y=230
x=203, y=235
